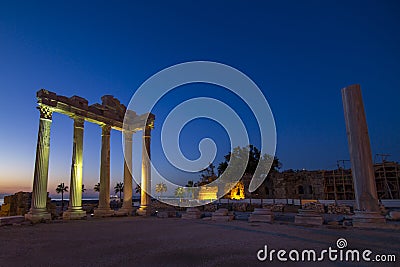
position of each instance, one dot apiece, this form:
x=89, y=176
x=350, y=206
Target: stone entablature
x=110, y=112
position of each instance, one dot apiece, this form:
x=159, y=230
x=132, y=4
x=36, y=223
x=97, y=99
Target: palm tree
x=96, y=187
x=138, y=189
x=160, y=188
x=119, y=188
x=179, y=192
x=61, y=189
x=190, y=188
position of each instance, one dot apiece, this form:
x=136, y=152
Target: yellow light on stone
x=238, y=191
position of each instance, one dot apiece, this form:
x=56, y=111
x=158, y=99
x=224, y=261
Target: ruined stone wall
x=288, y=184
x=323, y=184
x=17, y=204
x=20, y=203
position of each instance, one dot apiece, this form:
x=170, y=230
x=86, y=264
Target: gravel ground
x=138, y=241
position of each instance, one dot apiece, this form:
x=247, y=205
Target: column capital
x=45, y=112
x=150, y=124
x=128, y=135
x=105, y=129
x=147, y=131
x=78, y=121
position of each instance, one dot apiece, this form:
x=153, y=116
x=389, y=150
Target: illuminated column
x=361, y=158
x=127, y=204
x=38, y=211
x=104, y=195
x=75, y=196
x=146, y=173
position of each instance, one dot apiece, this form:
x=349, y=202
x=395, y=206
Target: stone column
x=145, y=198
x=361, y=158
x=104, y=209
x=127, y=204
x=75, y=210
x=38, y=211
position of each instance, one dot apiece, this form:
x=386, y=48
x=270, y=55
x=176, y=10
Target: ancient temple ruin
x=108, y=115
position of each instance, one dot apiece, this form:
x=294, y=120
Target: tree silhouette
x=83, y=188
x=138, y=190
x=160, y=188
x=207, y=175
x=179, y=192
x=191, y=188
x=119, y=188
x=61, y=188
x=96, y=187
x=254, y=157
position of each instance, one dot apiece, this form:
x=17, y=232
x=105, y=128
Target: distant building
x=322, y=184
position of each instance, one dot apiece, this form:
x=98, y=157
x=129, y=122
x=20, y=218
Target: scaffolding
x=387, y=177
x=338, y=184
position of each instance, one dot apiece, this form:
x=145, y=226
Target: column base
x=102, y=212
x=365, y=219
x=74, y=215
x=124, y=211
x=37, y=217
x=143, y=211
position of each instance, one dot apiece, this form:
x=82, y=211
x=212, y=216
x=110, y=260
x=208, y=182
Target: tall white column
x=75, y=210
x=104, y=209
x=145, y=198
x=39, y=192
x=127, y=204
x=361, y=158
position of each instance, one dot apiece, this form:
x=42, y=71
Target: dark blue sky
x=300, y=53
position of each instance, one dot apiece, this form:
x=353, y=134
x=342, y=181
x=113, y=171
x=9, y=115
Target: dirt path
x=138, y=241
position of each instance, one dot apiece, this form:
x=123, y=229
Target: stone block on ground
x=261, y=215
x=192, y=213
x=308, y=217
x=394, y=215
x=222, y=215
x=364, y=219
x=166, y=214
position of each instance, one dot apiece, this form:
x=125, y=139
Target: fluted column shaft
x=104, y=195
x=127, y=204
x=40, y=179
x=146, y=170
x=75, y=198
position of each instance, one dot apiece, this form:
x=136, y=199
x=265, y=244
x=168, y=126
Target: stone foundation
x=11, y=220
x=37, y=217
x=166, y=214
x=363, y=219
x=74, y=215
x=143, y=211
x=192, y=213
x=103, y=212
x=222, y=215
x=262, y=215
x=308, y=217
x=124, y=212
